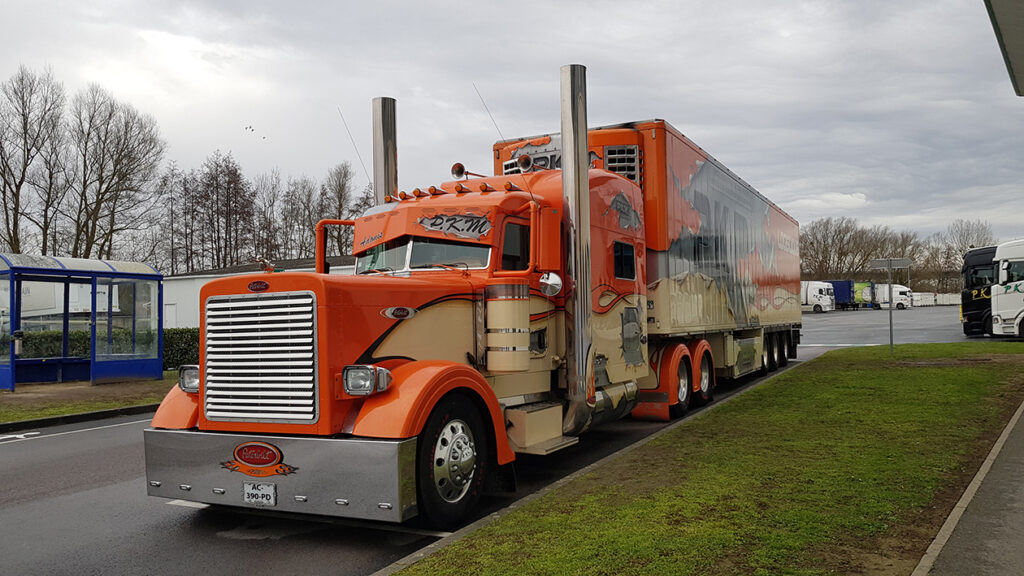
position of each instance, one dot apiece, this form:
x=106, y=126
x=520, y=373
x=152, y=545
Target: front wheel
x=900, y=306
x=452, y=457
x=817, y=309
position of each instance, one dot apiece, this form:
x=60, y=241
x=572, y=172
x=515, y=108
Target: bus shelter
x=68, y=319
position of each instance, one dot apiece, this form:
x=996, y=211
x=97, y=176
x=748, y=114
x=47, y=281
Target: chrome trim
x=385, y=149
x=509, y=330
x=507, y=292
x=576, y=188
x=261, y=358
x=341, y=477
x=507, y=349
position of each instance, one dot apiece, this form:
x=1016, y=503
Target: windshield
x=407, y=253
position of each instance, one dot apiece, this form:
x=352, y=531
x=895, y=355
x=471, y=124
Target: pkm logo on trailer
x=258, y=459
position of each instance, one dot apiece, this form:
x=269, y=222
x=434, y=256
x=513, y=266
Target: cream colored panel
x=441, y=332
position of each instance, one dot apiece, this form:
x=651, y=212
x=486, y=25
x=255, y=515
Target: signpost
x=889, y=264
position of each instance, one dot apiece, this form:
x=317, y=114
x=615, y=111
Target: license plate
x=259, y=493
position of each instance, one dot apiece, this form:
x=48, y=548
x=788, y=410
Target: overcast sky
x=898, y=113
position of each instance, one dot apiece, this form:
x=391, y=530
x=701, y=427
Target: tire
x=706, y=380
x=765, y=356
x=988, y=325
x=685, y=389
x=773, y=352
x=900, y=306
x=783, y=349
x=452, y=458
x=817, y=308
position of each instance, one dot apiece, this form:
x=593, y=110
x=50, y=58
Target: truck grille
x=261, y=358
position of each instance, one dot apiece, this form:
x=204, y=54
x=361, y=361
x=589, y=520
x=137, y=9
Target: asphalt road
x=73, y=498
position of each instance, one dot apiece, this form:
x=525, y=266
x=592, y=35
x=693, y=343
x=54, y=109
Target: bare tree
x=117, y=154
x=50, y=180
x=30, y=111
x=266, y=226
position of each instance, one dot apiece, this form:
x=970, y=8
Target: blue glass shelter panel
x=6, y=345
x=127, y=329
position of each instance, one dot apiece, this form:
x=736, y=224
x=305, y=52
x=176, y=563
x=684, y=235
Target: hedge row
x=181, y=345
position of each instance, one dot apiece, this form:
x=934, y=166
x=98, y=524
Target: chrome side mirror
x=550, y=284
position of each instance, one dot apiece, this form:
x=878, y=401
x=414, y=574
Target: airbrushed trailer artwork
x=603, y=273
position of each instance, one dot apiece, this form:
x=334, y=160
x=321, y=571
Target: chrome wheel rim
x=684, y=385
x=454, y=461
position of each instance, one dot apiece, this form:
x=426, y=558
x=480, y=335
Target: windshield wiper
x=452, y=266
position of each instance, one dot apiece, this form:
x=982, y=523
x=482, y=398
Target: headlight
x=188, y=378
x=363, y=380
x=997, y=320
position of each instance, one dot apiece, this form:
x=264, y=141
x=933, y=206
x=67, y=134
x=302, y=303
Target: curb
x=924, y=567
x=75, y=418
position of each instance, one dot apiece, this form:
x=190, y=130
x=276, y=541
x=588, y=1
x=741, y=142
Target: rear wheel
x=706, y=379
x=773, y=352
x=685, y=391
x=452, y=457
x=783, y=349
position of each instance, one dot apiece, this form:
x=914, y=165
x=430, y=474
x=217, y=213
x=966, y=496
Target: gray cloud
x=892, y=113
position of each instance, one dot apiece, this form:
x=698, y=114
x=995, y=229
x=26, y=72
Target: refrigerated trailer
x=598, y=274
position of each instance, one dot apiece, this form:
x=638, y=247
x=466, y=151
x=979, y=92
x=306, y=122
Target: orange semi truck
x=599, y=274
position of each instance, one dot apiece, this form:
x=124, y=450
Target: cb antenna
x=500, y=136
x=353, y=140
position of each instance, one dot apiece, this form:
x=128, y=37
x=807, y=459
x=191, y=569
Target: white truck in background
x=816, y=296
x=1008, y=293
x=902, y=297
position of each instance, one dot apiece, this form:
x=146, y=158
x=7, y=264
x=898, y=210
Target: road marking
x=832, y=345
x=187, y=504
x=25, y=435
x=19, y=436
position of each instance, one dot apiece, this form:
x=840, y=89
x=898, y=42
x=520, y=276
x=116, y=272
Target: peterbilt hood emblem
x=258, y=286
x=458, y=225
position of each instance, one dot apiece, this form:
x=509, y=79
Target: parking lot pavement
x=838, y=329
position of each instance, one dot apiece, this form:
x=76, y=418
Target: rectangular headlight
x=363, y=380
x=188, y=378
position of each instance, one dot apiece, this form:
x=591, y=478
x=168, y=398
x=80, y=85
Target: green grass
x=808, y=474
x=29, y=402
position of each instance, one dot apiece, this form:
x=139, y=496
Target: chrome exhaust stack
x=580, y=384
x=385, y=149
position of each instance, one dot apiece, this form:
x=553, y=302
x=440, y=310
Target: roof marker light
x=403, y=195
x=485, y=187
x=418, y=193
x=435, y=190
x=459, y=188
x=510, y=187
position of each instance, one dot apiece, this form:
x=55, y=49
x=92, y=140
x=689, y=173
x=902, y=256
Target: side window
x=1015, y=272
x=515, y=250
x=625, y=261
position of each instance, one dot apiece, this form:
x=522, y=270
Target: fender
x=402, y=411
x=697, y=348
x=668, y=384
x=178, y=411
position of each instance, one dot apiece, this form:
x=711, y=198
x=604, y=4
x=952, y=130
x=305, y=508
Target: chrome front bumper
x=346, y=477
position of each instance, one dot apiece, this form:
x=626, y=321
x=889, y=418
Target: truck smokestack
x=385, y=149
x=576, y=188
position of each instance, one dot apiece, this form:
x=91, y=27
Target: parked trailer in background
x=598, y=274
x=979, y=273
x=850, y=295
x=816, y=296
x=1008, y=293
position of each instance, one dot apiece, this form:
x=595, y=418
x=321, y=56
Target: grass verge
x=31, y=401
x=848, y=464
